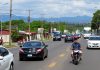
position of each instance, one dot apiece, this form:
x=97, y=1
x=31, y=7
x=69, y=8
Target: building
x=5, y=35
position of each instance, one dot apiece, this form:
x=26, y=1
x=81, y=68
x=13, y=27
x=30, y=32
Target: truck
x=87, y=32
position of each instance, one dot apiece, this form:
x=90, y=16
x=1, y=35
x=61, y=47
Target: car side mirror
x=1, y=57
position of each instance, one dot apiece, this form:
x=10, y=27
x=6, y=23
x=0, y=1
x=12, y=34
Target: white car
x=86, y=35
x=94, y=42
x=63, y=35
x=6, y=59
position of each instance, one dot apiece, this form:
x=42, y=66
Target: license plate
x=29, y=55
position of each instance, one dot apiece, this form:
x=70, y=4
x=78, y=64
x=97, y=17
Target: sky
x=51, y=8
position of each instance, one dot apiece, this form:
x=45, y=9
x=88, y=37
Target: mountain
x=77, y=19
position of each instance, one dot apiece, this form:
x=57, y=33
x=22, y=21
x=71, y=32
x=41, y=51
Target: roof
x=27, y=32
x=4, y=32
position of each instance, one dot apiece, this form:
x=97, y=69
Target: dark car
x=33, y=49
x=57, y=37
x=69, y=37
x=76, y=36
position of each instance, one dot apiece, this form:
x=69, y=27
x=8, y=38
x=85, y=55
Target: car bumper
x=92, y=46
x=70, y=39
x=33, y=55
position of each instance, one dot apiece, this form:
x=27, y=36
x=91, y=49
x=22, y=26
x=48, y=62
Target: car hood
x=94, y=41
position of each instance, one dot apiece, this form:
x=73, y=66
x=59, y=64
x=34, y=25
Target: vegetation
x=24, y=26
x=96, y=20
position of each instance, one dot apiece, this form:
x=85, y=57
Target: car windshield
x=76, y=34
x=70, y=35
x=32, y=44
x=57, y=35
x=94, y=38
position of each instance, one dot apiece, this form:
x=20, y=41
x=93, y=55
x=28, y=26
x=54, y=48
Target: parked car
x=69, y=37
x=57, y=37
x=6, y=59
x=33, y=49
x=94, y=42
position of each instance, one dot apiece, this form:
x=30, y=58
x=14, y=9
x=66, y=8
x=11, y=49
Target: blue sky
x=52, y=8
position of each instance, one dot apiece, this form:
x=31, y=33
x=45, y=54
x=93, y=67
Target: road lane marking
x=62, y=55
x=52, y=65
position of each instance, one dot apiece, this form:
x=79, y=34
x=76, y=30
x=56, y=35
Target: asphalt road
x=59, y=58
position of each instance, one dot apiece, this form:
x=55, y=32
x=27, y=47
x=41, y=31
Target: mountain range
x=76, y=19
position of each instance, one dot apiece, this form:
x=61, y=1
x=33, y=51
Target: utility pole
x=10, y=41
x=29, y=24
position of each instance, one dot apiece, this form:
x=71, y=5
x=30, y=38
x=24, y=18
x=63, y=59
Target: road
x=59, y=58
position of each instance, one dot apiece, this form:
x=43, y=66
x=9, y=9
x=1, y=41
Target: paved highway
x=59, y=58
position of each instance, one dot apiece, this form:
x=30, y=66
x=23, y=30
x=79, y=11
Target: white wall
x=5, y=38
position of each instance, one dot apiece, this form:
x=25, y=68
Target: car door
x=2, y=65
x=6, y=59
x=2, y=62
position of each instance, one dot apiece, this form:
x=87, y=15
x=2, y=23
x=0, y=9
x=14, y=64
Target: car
x=69, y=37
x=76, y=36
x=86, y=35
x=94, y=42
x=63, y=35
x=33, y=49
x=57, y=37
x=6, y=59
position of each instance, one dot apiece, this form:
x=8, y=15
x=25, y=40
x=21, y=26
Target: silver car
x=6, y=59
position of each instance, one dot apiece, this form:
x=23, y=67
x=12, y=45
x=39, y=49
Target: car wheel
x=53, y=39
x=43, y=57
x=65, y=41
x=87, y=47
x=11, y=67
x=21, y=59
x=46, y=55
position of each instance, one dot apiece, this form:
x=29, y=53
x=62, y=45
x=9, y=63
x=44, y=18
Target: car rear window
x=32, y=44
x=94, y=38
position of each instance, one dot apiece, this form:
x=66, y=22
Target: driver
x=76, y=46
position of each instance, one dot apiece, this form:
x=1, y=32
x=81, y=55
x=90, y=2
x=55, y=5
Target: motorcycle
x=76, y=57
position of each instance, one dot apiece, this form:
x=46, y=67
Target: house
x=5, y=34
x=28, y=35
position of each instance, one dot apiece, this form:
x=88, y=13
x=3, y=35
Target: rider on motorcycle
x=76, y=46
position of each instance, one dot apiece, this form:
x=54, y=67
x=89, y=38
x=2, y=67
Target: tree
x=95, y=24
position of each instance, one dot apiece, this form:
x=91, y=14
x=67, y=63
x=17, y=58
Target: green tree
x=95, y=24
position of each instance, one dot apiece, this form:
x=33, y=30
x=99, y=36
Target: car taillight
x=39, y=50
x=21, y=50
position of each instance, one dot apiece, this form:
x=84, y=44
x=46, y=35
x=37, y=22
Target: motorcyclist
x=76, y=46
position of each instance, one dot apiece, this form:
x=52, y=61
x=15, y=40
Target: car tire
x=42, y=58
x=53, y=39
x=87, y=47
x=21, y=59
x=46, y=55
x=65, y=41
x=11, y=67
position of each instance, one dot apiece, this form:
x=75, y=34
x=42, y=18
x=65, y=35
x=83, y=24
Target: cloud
x=54, y=8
